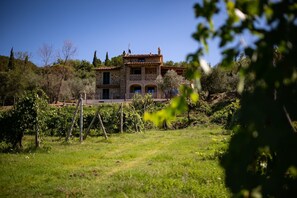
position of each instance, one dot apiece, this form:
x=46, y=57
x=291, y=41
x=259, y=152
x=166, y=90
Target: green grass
x=181, y=163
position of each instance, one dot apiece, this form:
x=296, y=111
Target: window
x=106, y=78
x=137, y=90
x=135, y=70
x=141, y=60
x=151, y=90
x=105, y=94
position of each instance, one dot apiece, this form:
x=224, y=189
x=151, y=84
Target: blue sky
x=102, y=25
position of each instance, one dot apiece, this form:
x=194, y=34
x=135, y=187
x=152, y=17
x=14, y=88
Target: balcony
x=135, y=77
x=150, y=63
x=130, y=95
x=150, y=76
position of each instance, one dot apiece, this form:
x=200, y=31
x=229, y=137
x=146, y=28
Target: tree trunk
x=189, y=118
x=37, y=141
x=81, y=121
x=122, y=115
x=59, y=89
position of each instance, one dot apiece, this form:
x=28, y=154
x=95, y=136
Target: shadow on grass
x=30, y=148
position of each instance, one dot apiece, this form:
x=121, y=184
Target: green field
x=181, y=163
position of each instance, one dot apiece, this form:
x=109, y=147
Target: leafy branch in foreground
x=177, y=106
x=261, y=159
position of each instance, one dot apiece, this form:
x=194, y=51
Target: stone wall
x=122, y=82
x=114, y=93
x=117, y=79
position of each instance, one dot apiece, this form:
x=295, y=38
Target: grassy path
x=180, y=163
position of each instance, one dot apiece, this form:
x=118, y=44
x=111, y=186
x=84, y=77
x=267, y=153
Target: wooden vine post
x=81, y=119
x=89, y=128
x=97, y=114
x=79, y=106
x=102, y=126
x=122, y=115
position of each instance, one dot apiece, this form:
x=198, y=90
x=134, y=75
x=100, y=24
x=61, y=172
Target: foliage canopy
x=261, y=158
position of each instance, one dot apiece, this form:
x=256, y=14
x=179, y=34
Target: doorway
x=105, y=94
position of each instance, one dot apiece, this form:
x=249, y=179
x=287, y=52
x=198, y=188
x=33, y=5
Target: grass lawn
x=181, y=163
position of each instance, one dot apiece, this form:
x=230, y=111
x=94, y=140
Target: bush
x=57, y=121
x=200, y=119
x=224, y=115
x=142, y=103
x=132, y=120
x=203, y=107
x=27, y=115
x=5, y=146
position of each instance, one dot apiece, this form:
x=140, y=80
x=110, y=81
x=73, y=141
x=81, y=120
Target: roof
x=173, y=67
x=178, y=70
x=143, y=63
x=108, y=68
x=141, y=55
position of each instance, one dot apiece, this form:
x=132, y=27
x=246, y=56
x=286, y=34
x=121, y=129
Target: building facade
x=136, y=76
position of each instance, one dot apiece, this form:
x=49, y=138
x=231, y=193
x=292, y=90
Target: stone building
x=137, y=75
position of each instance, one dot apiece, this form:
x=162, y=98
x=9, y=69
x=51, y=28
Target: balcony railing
x=135, y=77
x=150, y=76
x=154, y=95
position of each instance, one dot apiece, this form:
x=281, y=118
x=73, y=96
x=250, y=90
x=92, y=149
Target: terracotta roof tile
x=173, y=67
x=108, y=68
x=142, y=63
x=141, y=55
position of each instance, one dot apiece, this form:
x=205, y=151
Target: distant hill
x=19, y=63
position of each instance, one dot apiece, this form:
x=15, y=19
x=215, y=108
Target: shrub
x=224, y=115
x=203, y=107
x=142, y=103
x=132, y=120
x=27, y=115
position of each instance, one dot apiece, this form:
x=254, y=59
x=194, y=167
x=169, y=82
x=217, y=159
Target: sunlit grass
x=180, y=163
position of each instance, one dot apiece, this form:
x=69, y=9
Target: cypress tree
x=107, y=61
x=96, y=61
x=26, y=60
x=11, y=62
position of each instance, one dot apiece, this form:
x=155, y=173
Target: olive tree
x=170, y=83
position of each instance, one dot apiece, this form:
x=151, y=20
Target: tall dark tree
x=96, y=62
x=95, y=59
x=107, y=61
x=11, y=63
x=26, y=60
